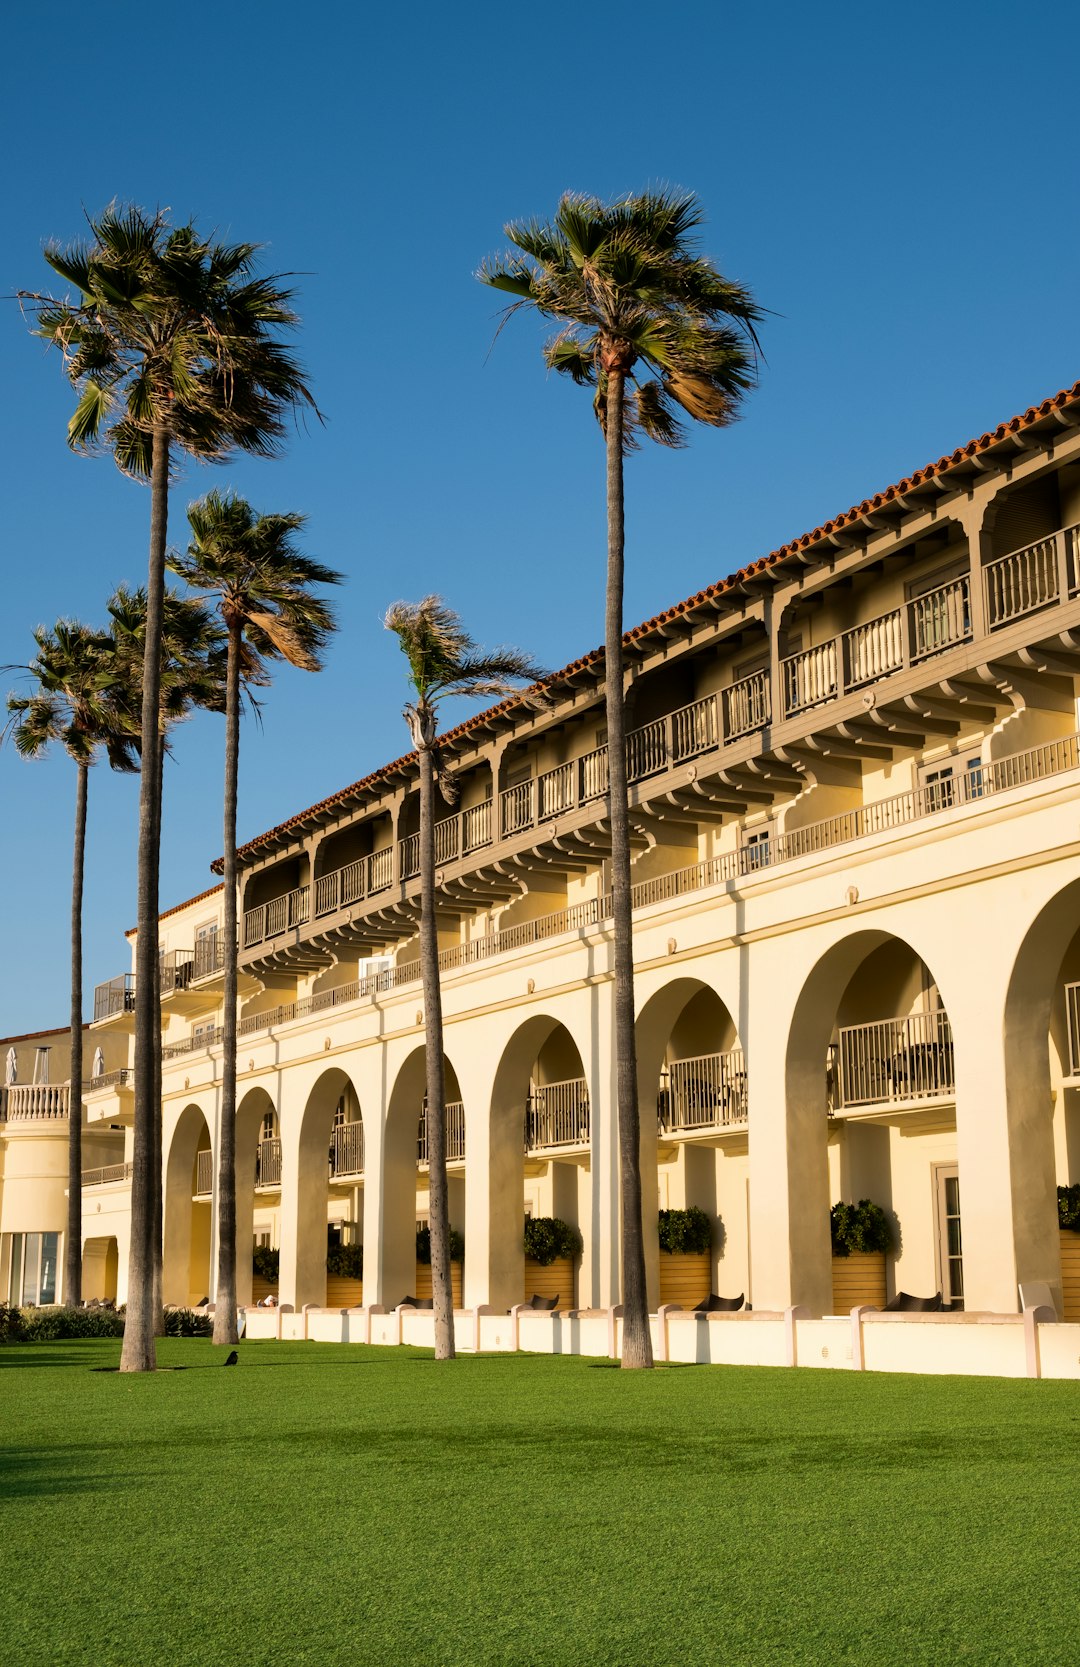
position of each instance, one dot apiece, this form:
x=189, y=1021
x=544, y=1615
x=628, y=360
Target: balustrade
x=108, y=1172
x=900, y=1059
x=347, y=1149
x=268, y=1163
x=810, y=678
x=557, y=1116
x=874, y=649
x=1072, y=1013
x=646, y=751
x=455, y=1135
x=204, y=1174
x=1020, y=583
x=746, y=705
x=35, y=1101
x=706, y=1092
x=939, y=618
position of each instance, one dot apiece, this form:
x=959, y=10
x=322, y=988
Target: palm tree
x=636, y=303
x=262, y=585
x=78, y=702
x=443, y=661
x=192, y=675
x=172, y=347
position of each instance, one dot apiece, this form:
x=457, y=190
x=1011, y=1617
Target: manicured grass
x=324, y=1504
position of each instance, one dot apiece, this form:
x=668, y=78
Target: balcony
x=107, y=1175
x=455, y=1135
x=1072, y=1014
x=34, y=1102
x=209, y=959
x=347, y=1151
x=268, y=1166
x=557, y=1118
x=895, y=1063
x=703, y=1095
x=114, y=1002
x=204, y=1174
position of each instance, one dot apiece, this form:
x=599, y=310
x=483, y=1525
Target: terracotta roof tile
x=920, y=477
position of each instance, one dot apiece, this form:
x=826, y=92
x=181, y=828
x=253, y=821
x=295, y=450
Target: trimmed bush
x=188, y=1322
x=265, y=1262
x=54, y=1325
x=346, y=1260
x=423, y=1246
x=547, y=1238
x=1069, y=1208
x=685, y=1232
x=859, y=1228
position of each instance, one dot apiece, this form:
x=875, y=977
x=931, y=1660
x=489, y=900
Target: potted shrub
x=1069, y=1223
x=551, y=1247
x=345, y=1276
x=860, y=1239
x=264, y=1272
x=686, y=1263
x=423, y=1263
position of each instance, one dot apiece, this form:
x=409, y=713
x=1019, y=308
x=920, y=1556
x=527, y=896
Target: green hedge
x=265, y=1262
x=57, y=1325
x=1069, y=1208
x=858, y=1228
x=346, y=1260
x=685, y=1232
x=423, y=1246
x=547, y=1238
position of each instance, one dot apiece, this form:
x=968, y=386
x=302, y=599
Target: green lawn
x=325, y=1504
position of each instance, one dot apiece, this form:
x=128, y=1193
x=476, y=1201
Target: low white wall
x=968, y=1345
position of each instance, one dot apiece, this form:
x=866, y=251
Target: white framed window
x=756, y=847
x=953, y=781
x=949, y=1235
x=32, y=1269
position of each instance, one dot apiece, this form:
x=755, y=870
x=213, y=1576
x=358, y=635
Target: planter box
x=343, y=1292
x=1070, y=1274
x=686, y=1279
x=857, y=1279
x=555, y=1280
x=423, y=1281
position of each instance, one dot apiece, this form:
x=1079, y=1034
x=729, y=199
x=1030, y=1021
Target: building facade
x=854, y=777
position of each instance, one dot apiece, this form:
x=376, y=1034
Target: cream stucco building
x=854, y=771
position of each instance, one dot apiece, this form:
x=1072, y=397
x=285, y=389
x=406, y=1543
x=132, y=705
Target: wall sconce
x=531, y=986
x=326, y=1045
x=251, y=1064
x=852, y=895
x=672, y=946
x=419, y=1016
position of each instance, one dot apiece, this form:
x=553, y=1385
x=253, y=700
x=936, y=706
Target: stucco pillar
x=494, y=1250
x=600, y=1283
x=973, y=518
x=790, y=1262
x=389, y=1209
x=288, y=1246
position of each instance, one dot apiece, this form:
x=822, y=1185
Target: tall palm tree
x=173, y=348
x=443, y=661
x=262, y=586
x=192, y=675
x=637, y=304
x=78, y=702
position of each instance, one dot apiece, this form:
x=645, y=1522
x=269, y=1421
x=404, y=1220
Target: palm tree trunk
x=439, y=1203
x=225, y=1305
x=73, y=1250
x=158, y=1239
x=637, y=1341
x=138, y=1353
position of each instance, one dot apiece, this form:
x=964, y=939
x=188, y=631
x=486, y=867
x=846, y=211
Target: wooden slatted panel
x=686, y=1280
x=856, y=1279
x=423, y=1282
x=343, y=1292
x=262, y=1288
x=1070, y=1274
x=556, y=1280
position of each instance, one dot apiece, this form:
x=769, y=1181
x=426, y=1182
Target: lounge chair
x=902, y=1303
x=720, y=1305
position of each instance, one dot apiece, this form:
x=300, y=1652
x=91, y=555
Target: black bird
x=233, y=1358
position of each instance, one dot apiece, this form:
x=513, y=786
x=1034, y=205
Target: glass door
x=950, y=1251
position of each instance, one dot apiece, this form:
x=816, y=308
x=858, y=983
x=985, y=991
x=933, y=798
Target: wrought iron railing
x=557, y=1116
x=204, y=1173
x=891, y=1060
x=106, y=1173
x=268, y=1163
x=117, y=995
x=705, y=1092
x=455, y=1135
x=347, y=1149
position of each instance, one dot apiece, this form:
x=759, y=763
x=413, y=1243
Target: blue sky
x=896, y=184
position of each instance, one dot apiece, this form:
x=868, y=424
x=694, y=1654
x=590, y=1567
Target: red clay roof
x=212, y=891
x=952, y=462
x=36, y=1035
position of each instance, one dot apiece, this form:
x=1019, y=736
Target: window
x=950, y=1251
x=756, y=848
x=953, y=781
x=32, y=1277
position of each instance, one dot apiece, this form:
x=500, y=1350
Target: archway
x=693, y=1097
x=330, y=1182
x=258, y=1183
x=870, y=1092
x=404, y=1189
x=189, y=1191
x=539, y=1161
x=100, y=1270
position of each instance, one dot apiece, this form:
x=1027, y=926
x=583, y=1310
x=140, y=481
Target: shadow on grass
x=29, y=1472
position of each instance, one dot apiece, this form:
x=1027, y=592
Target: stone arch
x=401, y=1177
x=544, y=1056
x=332, y=1089
x=875, y=992
x=188, y=1210
x=100, y=1269
x=254, y=1107
x=692, y=1095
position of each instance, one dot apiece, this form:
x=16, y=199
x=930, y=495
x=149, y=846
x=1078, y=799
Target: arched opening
x=258, y=1189
x=871, y=1114
x=539, y=1161
x=100, y=1270
x=692, y=1070
x=1042, y=1080
x=405, y=1197
x=189, y=1190
x=330, y=1193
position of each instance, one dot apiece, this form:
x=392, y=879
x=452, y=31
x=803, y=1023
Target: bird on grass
x=233, y=1359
